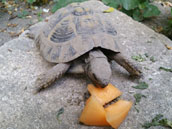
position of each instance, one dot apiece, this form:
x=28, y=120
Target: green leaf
x=62, y=3
x=31, y=1
x=150, y=11
x=170, y=23
x=152, y=58
x=165, y=69
x=60, y=111
x=137, y=15
x=141, y=85
x=146, y=125
x=143, y=4
x=138, y=58
x=165, y=122
x=158, y=120
x=146, y=54
x=129, y=4
x=128, y=12
x=112, y=3
x=3, y=1
x=23, y=14
x=106, y=2
x=138, y=97
x=39, y=13
x=40, y=19
x=142, y=1
x=137, y=109
x=54, y=8
x=154, y=122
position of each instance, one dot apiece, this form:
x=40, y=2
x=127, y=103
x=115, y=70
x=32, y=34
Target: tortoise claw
x=41, y=83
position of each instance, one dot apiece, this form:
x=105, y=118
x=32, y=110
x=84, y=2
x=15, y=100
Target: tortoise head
x=98, y=69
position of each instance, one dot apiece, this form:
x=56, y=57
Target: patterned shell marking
x=74, y=30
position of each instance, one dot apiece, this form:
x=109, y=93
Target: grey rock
x=21, y=63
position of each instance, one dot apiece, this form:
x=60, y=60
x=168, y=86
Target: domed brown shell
x=73, y=31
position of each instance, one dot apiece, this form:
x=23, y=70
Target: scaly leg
x=46, y=79
x=125, y=63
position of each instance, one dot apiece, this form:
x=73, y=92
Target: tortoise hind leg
x=125, y=63
x=47, y=78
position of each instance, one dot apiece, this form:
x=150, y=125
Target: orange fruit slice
x=93, y=113
x=117, y=112
x=104, y=95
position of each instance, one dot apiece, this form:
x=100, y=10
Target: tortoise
x=77, y=40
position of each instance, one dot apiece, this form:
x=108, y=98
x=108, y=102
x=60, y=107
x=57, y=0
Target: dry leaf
x=29, y=17
x=1, y=5
x=3, y=30
x=7, y=5
x=109, y=10
x=12, y=17
x=168, y=4
x=51, y=2
x=32, y=7
x=21, y=9
x=159, y=29
x=169, y=18
x=10, y=2
x=15, y=9
x=11, y=25
x=168, y=47
x=22, y=30
x=14, y=34
x=9, y=12
x=46, y=20
x=9, y=50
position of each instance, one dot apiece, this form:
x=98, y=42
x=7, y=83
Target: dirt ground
x=11, y=25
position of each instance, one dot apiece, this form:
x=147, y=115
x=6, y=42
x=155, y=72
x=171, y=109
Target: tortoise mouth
x=102, y=85
x=100, y=82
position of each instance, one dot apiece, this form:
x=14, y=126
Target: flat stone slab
x=21, y=63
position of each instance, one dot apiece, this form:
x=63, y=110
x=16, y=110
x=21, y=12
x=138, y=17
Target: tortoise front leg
x=47, y=78
x=125, y=63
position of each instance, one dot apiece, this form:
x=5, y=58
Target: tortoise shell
x=73, y=31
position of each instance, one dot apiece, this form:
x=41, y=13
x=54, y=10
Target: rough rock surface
x=20, y=63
